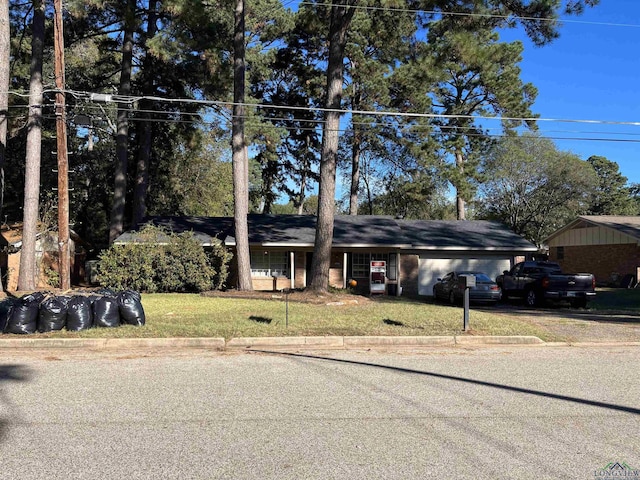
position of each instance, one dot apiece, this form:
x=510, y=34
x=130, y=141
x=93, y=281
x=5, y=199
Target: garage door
x=432, y=267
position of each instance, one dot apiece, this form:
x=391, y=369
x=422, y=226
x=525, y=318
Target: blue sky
x=592, y=72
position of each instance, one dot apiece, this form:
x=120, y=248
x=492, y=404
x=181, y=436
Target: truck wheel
x=452, y=299
x=531, y=298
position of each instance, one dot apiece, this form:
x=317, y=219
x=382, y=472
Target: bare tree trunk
x=341, y=16
x=64, y=255
x=146, y=137
x=122, y=134
x=367, y=187
x=301, y=193
x=239, y=154
x=355, y=171
x=5, y=52
x=27, y=275
x=460, y=203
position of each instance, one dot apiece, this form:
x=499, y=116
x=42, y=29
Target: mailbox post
x=468, y=281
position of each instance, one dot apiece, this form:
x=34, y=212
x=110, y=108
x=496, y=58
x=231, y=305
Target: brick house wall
x=336, y=278
x=607, y=262
x=409, y=274
x=270, y=283
x=300, y=259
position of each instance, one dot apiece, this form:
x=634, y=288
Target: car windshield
x=552, y=270
x=480, y=277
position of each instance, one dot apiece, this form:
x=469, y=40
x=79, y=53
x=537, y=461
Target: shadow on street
x=527, y=391
x=9, y=373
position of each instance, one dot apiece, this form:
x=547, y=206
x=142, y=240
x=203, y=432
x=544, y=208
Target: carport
x=443, y=246
x=433, y=266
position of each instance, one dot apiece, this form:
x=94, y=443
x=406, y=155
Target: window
x=268, y=264
x=360, y=263
x=392, y=266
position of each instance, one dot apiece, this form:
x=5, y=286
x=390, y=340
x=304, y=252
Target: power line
x=318, y=122
x=198, y=118
x=389, y=113
x=469, y=14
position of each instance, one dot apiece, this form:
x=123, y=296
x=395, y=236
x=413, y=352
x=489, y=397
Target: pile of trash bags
x=41, y=312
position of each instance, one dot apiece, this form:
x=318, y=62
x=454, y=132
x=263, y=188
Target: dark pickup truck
x=538, y=281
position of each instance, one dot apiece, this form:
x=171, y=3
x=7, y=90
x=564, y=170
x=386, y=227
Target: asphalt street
x=463, y=413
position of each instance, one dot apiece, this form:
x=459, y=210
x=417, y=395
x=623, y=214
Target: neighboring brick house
x=605, y=245
x=416, y=252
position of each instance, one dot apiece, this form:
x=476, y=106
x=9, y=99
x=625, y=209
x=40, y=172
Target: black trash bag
x=105, y=312
x=33, y=297
x=65, y=299
x=93, y=297
x=130, y=307
x=53, y=315
x=23, y=318
x=106, y=292
x=5, y=310
x=79, y=314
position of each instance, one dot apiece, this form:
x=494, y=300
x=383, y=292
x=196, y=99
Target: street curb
x=106, y=343
x=248, y=342
x=498, y=340
x=370, y=341
x=319, y=342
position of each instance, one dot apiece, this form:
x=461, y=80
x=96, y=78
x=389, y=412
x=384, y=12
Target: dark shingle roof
x=354, y=231
x=463, y=234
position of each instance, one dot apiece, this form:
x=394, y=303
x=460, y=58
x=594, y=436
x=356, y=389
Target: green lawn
x=187, y=315
x=616, y=299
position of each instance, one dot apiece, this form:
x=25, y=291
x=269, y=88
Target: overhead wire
x=390, y=113
x=469, y=14
x=198, y=119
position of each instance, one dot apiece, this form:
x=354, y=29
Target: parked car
x=451, y=288
x=538, y=281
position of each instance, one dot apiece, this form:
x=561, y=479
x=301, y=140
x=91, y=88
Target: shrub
x=161, y=261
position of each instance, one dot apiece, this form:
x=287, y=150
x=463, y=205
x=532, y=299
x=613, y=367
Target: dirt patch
x=301, y=296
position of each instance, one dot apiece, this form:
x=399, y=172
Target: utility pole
x=64, y=264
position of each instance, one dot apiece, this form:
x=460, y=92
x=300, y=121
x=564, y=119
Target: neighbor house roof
x=203, y=228
x=627, y=224
x=352, y=231
x=11, y=235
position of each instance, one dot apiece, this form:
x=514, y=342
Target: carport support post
x=465, y=320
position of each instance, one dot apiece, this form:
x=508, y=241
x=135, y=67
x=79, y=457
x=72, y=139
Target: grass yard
x=191, y=315
x=616, y=299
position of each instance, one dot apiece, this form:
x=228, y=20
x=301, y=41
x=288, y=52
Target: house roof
x=352, y=231
x=11, y=235
x=627, y=224
x=203, y=228
x=463, y=235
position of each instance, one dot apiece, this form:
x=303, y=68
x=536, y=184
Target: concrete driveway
x=576, y=325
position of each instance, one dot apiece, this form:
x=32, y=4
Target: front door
x=307, y=267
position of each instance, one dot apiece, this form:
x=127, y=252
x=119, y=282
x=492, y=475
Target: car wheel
x=452, y=299
x=531, y=298
x=435, y=294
